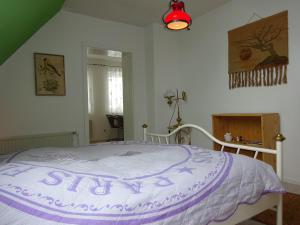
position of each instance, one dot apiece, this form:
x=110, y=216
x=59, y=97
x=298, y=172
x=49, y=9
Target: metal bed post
x=145, y=126
x=279, y=141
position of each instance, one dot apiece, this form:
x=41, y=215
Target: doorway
x=105, y=85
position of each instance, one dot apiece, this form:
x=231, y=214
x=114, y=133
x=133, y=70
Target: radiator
x=91, y=129
x=14, y=144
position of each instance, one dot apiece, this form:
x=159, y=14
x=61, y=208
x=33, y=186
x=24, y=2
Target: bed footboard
x=164, y=138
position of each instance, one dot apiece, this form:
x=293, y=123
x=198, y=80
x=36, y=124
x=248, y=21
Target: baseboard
x=292, y=187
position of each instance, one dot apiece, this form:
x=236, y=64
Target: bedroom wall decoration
x=49, y=74
x=258, y=53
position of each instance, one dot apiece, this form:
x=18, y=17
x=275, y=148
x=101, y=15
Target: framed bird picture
x=49, y=75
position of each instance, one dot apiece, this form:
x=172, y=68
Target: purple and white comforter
x=129, y=184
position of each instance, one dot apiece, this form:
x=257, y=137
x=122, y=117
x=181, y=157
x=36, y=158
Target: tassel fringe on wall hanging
x=258, y=53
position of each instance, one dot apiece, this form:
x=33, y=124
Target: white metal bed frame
x=243, y=212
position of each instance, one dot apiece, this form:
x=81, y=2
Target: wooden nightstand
x=256, y=129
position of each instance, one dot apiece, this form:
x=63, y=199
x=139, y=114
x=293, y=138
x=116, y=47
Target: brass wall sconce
x=171, y=98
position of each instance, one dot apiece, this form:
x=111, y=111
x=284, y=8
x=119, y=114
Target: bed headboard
x=19, y=143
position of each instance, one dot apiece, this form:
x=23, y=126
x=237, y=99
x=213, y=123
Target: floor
x=291, y=209
x=250, y=222
x=291, y=205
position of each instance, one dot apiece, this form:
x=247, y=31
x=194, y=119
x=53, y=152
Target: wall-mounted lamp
x=173, y=97
x=169, y=95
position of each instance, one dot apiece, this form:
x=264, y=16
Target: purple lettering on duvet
x=85, y=197
x=135, y=187
x=12, y=172
x=203, y=157
x=56, y=178
x=101, y=188
x=75, y=183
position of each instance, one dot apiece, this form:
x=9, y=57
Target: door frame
x=127, y=94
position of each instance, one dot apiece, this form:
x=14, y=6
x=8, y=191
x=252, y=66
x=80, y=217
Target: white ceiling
x=136, y=12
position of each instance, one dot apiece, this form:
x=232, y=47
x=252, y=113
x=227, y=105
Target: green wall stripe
x=20, y=19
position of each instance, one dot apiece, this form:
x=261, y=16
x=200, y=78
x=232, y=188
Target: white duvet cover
x=129, y=184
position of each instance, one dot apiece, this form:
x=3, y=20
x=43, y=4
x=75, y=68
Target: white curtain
x=90, y=85
x=110, y=84
x=115, y=90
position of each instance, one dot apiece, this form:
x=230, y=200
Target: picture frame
x=49, y=74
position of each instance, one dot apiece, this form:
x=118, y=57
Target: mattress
x=129, y=183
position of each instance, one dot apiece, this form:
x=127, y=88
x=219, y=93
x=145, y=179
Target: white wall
x=163, y=73
x=21, y=112
x=203, y=63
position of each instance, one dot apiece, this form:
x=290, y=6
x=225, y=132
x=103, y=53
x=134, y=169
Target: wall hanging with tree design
x=258, y=53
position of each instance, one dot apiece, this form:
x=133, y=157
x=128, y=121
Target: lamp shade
x=177, y=18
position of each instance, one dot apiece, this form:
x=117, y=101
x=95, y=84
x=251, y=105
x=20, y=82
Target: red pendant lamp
x=176, y=18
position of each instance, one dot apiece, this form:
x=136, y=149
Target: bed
x=138, y=183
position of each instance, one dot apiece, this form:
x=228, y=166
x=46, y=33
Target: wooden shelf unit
x=252, y=127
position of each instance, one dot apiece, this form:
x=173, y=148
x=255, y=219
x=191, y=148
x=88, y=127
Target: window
x=115, y=90
x=90, y=91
